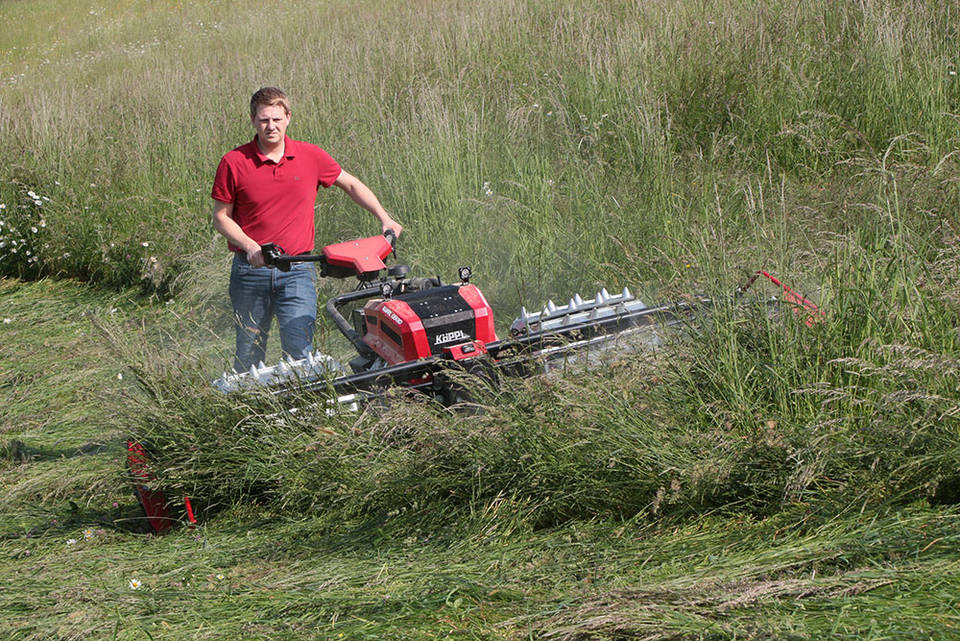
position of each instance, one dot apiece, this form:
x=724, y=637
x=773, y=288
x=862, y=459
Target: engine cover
x=421, y=324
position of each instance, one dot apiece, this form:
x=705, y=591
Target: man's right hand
x=255, y=257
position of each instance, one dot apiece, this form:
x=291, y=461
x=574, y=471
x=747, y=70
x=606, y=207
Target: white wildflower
x=32, y=195
x=3, y=206
x=69, y=541
x=135, y=584
x=88, y=534
x=38, y=203
x=144, y=244
x=120, y=376
x=34, y=230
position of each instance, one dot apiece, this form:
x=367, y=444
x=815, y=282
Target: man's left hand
x=393, y=226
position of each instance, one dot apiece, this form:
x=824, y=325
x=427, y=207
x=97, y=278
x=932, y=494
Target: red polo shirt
x=273, y=202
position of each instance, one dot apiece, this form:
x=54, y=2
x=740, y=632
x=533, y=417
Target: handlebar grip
x=391, y=238
x=272, y=254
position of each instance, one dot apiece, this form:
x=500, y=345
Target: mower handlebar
x=275, y=256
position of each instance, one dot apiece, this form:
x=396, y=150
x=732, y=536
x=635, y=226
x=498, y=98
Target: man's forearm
x=230, y=230
x=227, y=227
x=364, y=196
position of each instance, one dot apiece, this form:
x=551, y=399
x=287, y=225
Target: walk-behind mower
x=413, y=332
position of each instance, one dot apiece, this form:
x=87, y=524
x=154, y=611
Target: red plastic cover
x=363, y=256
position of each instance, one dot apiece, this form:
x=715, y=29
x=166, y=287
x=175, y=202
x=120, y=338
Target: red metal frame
x=466, y=351
x=154, y=502
x=814, y=313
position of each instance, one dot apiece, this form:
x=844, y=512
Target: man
x=265, y=191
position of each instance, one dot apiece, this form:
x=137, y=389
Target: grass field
x=756, y=479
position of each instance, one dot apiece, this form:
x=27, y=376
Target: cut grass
x=894, y=575
x=73, y=542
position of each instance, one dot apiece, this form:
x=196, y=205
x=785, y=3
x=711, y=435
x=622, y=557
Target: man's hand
x=392, y=225
x=255, y=257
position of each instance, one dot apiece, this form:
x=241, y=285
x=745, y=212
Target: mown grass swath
x=753, y=476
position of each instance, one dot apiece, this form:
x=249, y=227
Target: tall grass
x=746, y=412
x=553, y=146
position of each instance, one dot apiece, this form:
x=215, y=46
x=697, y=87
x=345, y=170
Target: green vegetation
x=757, y=478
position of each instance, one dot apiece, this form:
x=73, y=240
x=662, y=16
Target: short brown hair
x=268, y=97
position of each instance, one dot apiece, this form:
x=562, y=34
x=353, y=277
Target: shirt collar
x=289, y=150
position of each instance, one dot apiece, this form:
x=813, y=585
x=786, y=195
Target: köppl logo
x=450, y=336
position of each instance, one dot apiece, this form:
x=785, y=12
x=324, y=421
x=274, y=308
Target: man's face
x=271, y=122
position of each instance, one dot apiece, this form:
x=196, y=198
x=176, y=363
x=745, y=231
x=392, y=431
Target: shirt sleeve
x=224, y=183
x=328, y=170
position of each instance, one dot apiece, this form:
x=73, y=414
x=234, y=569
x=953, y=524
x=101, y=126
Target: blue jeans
x=259, y=293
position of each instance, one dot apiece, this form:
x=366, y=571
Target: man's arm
x=363, y=196
x=224, y=223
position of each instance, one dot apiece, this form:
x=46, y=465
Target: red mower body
x=427, y=323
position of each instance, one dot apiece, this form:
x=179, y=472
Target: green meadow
x=755, y=478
